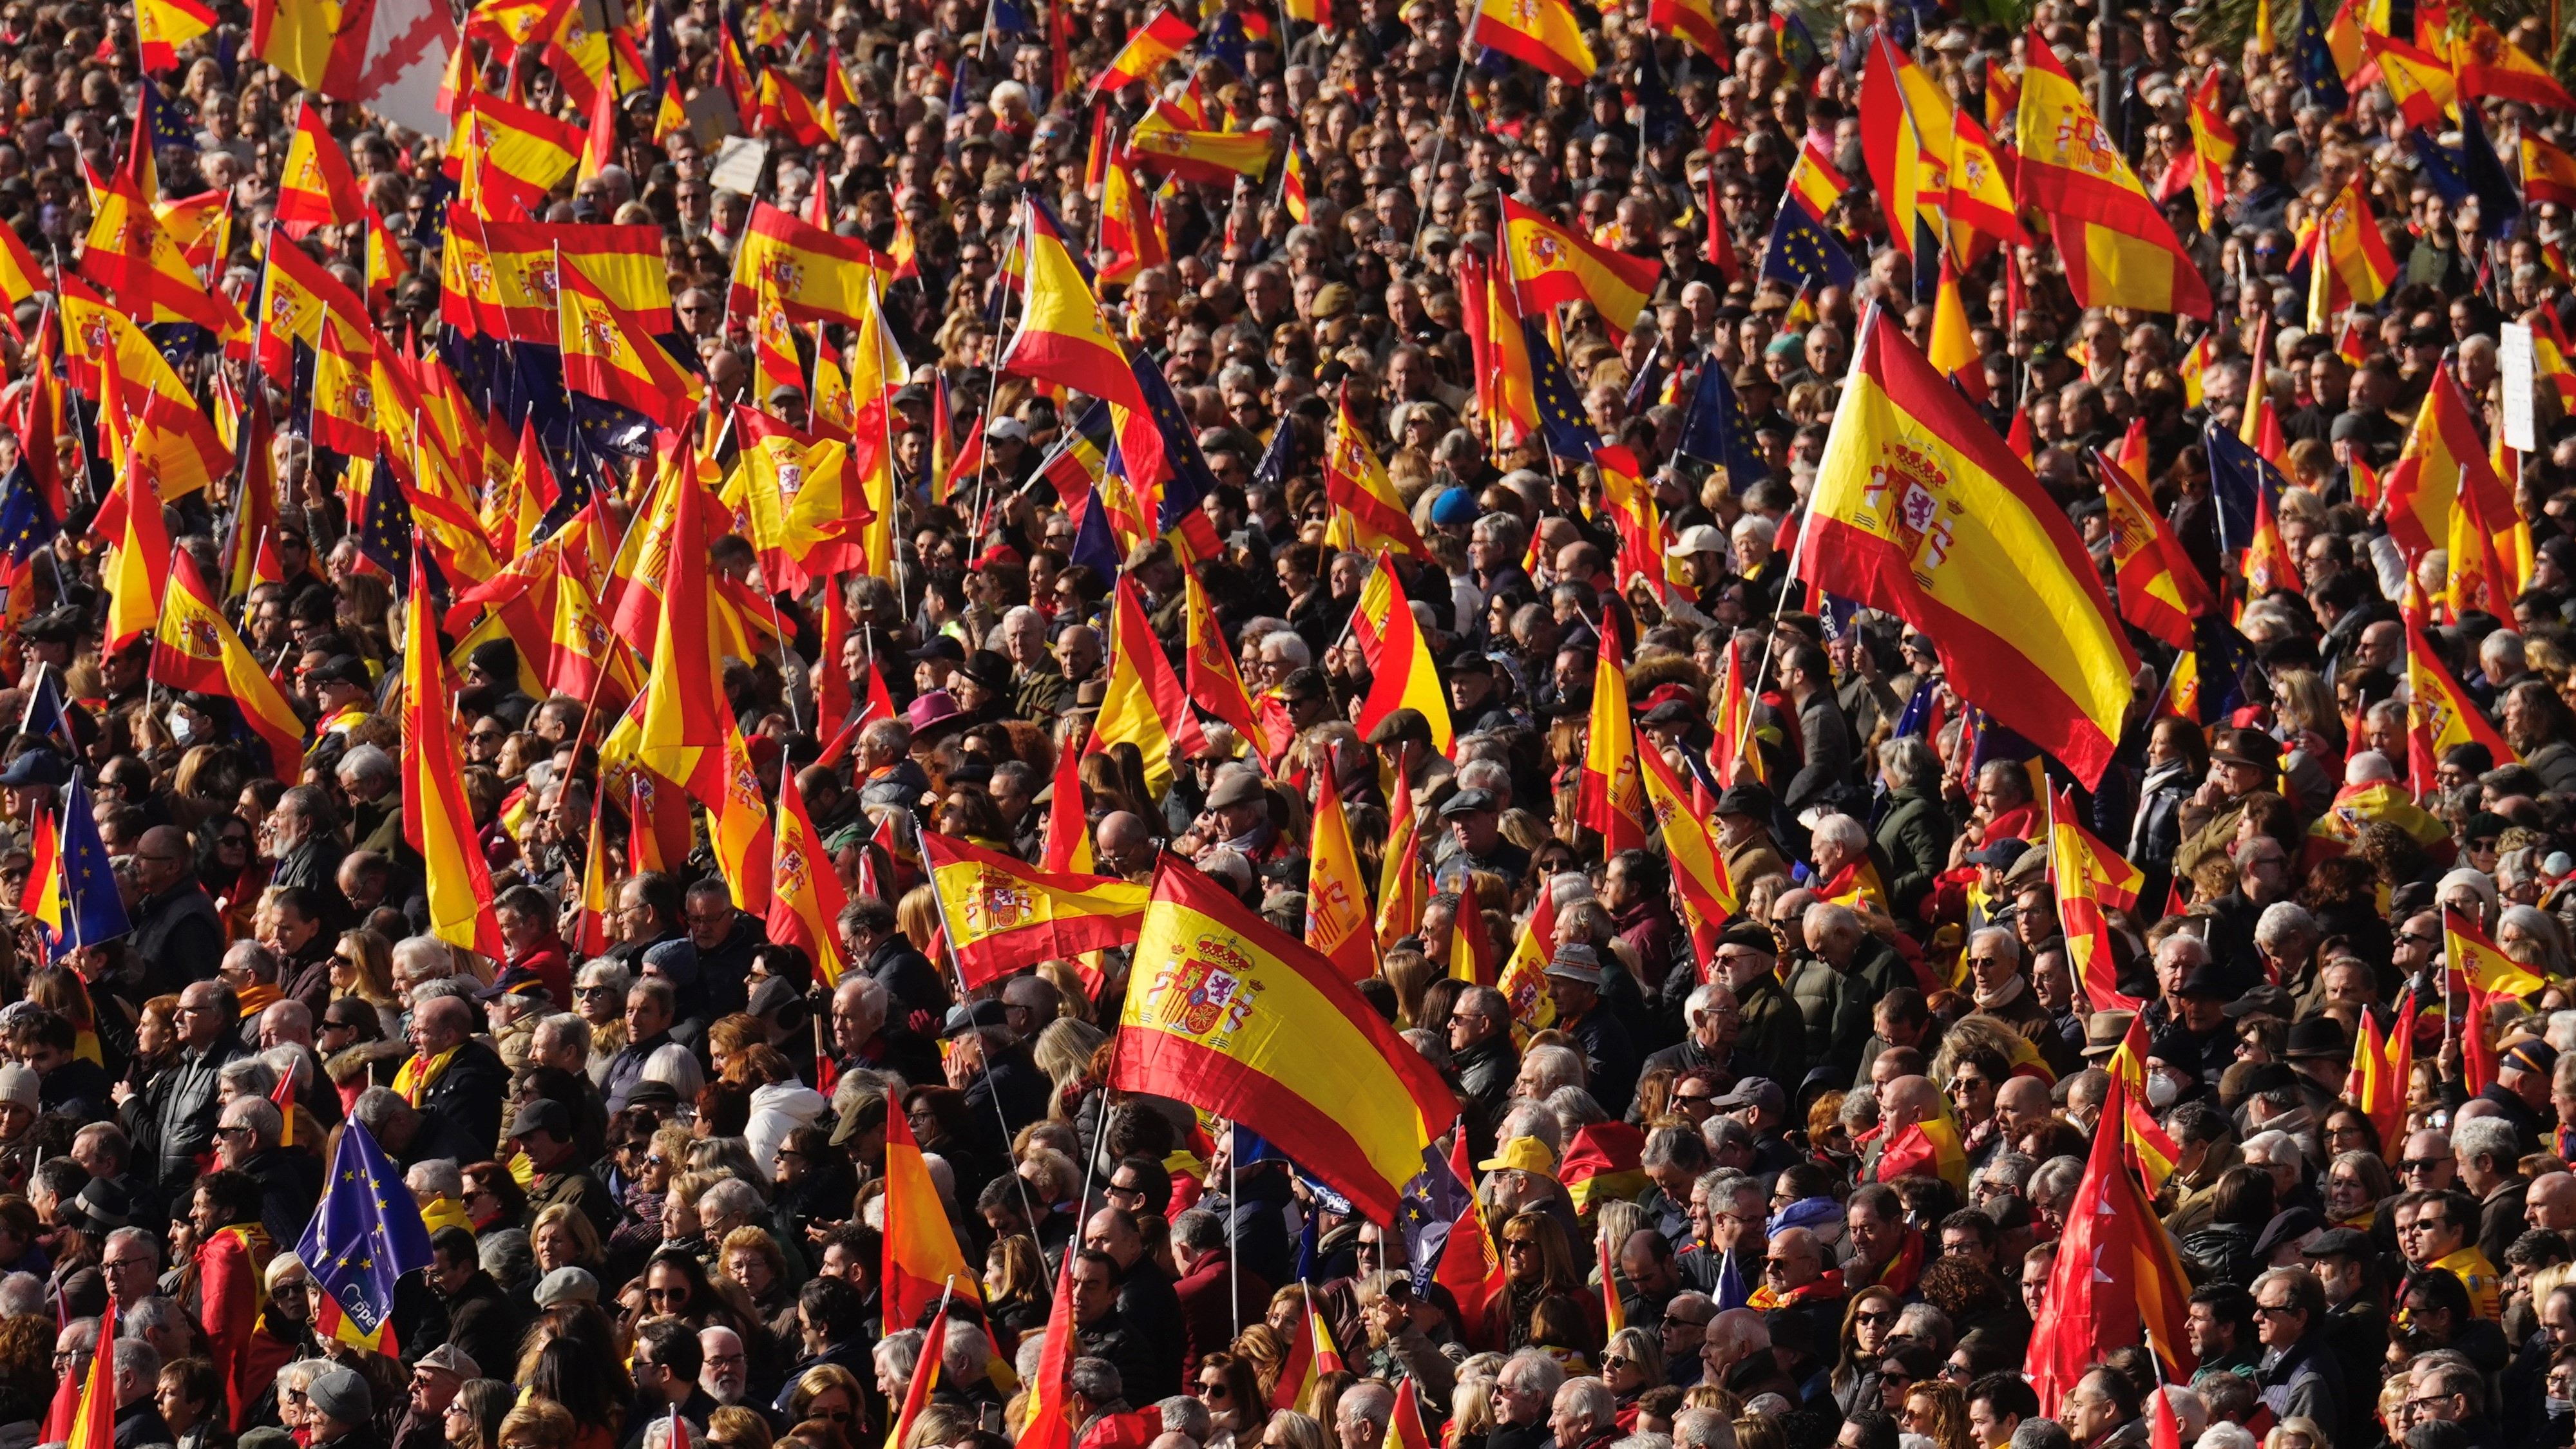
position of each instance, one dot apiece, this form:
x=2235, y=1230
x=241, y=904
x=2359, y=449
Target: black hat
x=59, y=625
x=1470, y=660
x=966, y=1018
x=1670, y=712
x=546, y=1115
x=2286, y=1227
x=2247, y=747
x=513, y=981
x=2269, y=1077
x=350, y=670
x=940, y=646
x=2206, y=981
x=498, y=659
x=2341, y=1243
x=102, y=1206
x=2319, y=1038
x=1750, y=936
x=989, y=669
x=1751, y=800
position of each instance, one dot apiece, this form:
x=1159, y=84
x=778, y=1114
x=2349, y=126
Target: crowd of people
x=649, y=1141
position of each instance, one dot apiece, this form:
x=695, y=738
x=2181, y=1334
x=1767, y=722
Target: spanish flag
x=1063, y=338
x=2091, y=878
x=297, y=293
x=127, y=251
x=603, y=361
x=1143, y=704
x=2441, y=469
x=2118, y=250
x=1403, y=882
x=512, y=151
x=1357, y=485
x=1209, y=674
x=20, y=277
x=2439, y=713
x=2381, y=1065
x=1164, y=140
x=1131, y=235
x=784, y=107
x=1313, y=1356
x=1979, y=202
x=318, y=188
x=181, y=451
x=2548, y=173
x=1699, y=867
x=2213, y=147
x=1164, y=36
x=137, y=572
x=599, y=140
x=436, y=822
x=2152, y=1150
x=1554, y=265
x=2352, y=266
x=1610, y=795
x=2494, y=68
x=1240, y=1021
x=195, y=647
x=344, y=395
x=1400, y=667
x=2422, y=83
x=670, y=118
x=801, y=494
x=1928, y=1148
x=1337, y=900
x=1922, y=511
x=1694, y=21
x=682, y=714
x=1523, y=976
x=1903, y=169
x=1953, y=347
x=1001, y=913
x=1067, y=847
x=582, y=649
x=162, y=26
x=305, y=39
x=922, y=1260
x=1542, y=32
x=2469, y=950
x=2160, y=591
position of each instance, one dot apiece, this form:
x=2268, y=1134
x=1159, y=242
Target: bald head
x=1910, y=1100
x=2550, y=1205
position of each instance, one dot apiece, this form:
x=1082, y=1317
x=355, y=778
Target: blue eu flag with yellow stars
x=365, y=1234
x=384, y=525
x=27, y=522
x=1561, y=419
x=1189, y=482
x=92, y=910
x=1801, y=252
x=1715, y=429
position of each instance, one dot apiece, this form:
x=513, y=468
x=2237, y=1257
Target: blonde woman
x=1063, y=1051
x=564, y=1238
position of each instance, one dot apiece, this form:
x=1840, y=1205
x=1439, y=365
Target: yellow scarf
x=259, y=997
x=419, y=1072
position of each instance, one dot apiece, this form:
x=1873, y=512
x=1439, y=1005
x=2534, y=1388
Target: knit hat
x=340, y=1394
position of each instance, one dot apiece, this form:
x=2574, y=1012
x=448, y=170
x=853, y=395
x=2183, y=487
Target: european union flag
x=1428, y=1211
x=365, y=1234
x=1715, y=429
x=1278, y=458
x=2499, y=204
x=1649, y=379
x=2319, y=79
x=1917, y=718
x=92, y=910
x=2444, y=169
x=2223, y=657
x=2237, y=477
x=1093, y=543
x=44, y=718
x=385, y=524
x=1568, y=433
x=1663, y=117
x=1801, y=254
x=27, y=522
x=1190, y=482
x=1007, y=19
x=1223, y=39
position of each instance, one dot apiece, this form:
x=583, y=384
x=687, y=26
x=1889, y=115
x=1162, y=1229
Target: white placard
x=2521, y=429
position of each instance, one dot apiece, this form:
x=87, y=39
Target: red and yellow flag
x=922, y=1260
x=1063, y=338
x=317, y=188
x=2160, y=591
x=1357, y=484
x=1165, y=140
x=817, y=275
x=2092, y=879
x=1164, y=36
x=137, y=571
x=2494, y=68
x=603, y=361
x=2548, y=173
x=805, y=895
x=2469, y=950
x=1699, y=867
x=2118, y=249
x=2443, y=469
x=2439, y=713
x=2152, y=1150
x=1403, y=882
x=436, y=822
x=1143, y=704
x=1610, y=796
x=1923, y=512
x=1337, y=899
x=1554, y=265
x=1240, y=1021
x=1953, y=347
x=1131, y=235
x=1210, y=676
x=195, y=647
x=162, y=26
x=1001, y=913
x=2421, y=82
x=2352, y=266
x=1401, y=672
x=2213, y=147
x=1544, y=33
